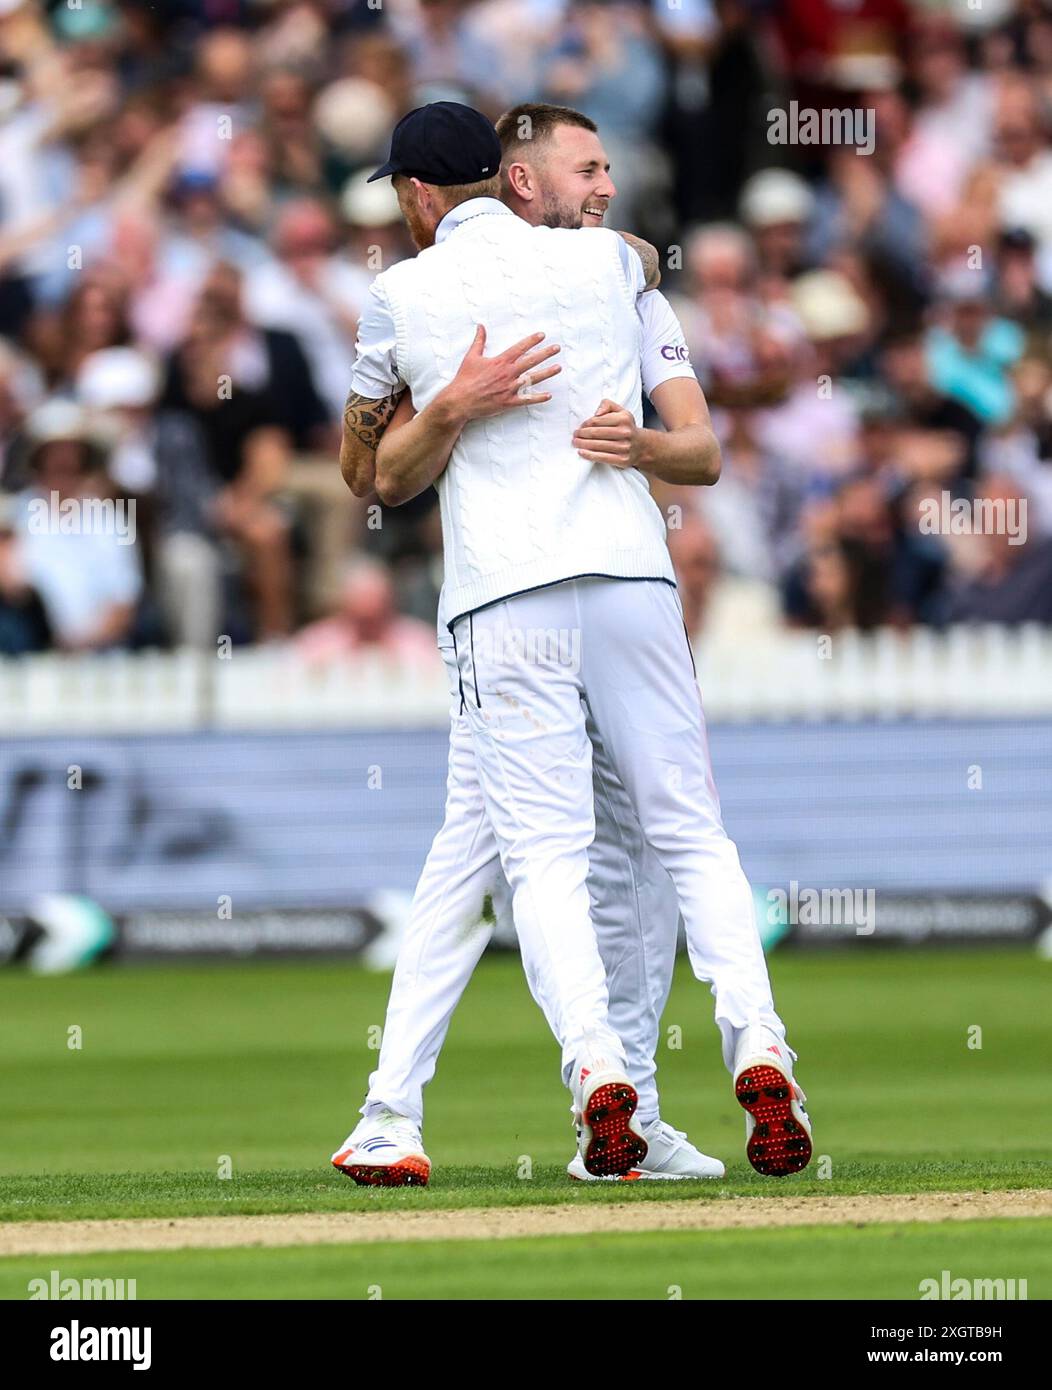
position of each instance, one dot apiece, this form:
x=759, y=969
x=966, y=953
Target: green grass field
x=265, y=1064
x=877, y=1262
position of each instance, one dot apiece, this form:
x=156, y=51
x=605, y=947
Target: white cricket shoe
x=609, y=1137
x=384, y=1150
x=777, y=1129
x=670, y=1156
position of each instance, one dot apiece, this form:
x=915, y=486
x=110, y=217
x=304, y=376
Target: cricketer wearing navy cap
x=443, y=143
x=441, y=155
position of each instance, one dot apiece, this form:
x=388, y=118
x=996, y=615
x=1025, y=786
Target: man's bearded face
x=421, y=227
x=573, y=174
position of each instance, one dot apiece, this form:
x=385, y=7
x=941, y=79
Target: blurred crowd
x=187, y=239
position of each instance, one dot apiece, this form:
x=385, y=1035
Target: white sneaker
x=609, y=1137
x=777, y=1129
x=384, y=1150
x=670, y=1156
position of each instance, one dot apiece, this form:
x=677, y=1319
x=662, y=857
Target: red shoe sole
x=614, y=1147
x=410, y=1172
x=779, y=1145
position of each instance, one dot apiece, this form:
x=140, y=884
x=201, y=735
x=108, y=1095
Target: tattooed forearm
x=367, y=419
x=648, y=255
x=364, y=422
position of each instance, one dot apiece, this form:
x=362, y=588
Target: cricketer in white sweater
x=520, y=507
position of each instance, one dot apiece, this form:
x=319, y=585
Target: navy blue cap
x=443, y=143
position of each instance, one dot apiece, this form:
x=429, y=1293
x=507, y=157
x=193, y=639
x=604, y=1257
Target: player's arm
x=376, y=390
x=686, y=451
x=365, y=421
x=411, y=457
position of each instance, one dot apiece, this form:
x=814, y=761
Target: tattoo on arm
x=649, y=256
x=367, y=419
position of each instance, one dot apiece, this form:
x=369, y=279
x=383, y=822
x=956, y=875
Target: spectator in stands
x=755, y=510
x=1003, y=581
x=449, y=56
x=304, y=302
x=1018, y=181
x=379, y=58
x=161, y=280
x=294, y=154
x=222, y=93
x=952, y=121
x=696, y=558
x=367, y=620
x=376, y=234
x=860, y=206
x=221, y=377
x=776, y=206
x=119, y=387
x=725, y=323
x=1018, y=293
x=836, y=590
x=95, y=317
x=836, y=320
x=897, y=569
x=905, y=369
x=816, y=428
x=926, y=167
x=1022, y=449
x=312, y=292
x=74, y=538
x=198, y=231
x=970, y=351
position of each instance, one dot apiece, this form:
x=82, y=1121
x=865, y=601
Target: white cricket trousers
x=462, y=895
x=529, y=667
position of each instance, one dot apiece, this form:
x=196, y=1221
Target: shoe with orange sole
x=384, y=1150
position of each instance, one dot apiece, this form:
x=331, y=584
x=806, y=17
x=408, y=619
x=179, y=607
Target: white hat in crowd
x=366, y=204
x=117, y=378
x=354, y=115
x=829, y=306
x=775, y=196
x=58, y=418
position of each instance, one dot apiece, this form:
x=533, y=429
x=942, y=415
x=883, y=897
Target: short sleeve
x=664, y=352
x=375, y=375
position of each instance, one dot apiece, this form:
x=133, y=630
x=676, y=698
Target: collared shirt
x=474, y=207
x=375, y=374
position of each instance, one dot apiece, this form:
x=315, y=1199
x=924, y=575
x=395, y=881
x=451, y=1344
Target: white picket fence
x=979, y=672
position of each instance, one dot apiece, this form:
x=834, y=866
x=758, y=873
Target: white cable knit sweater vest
x=520, y=508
